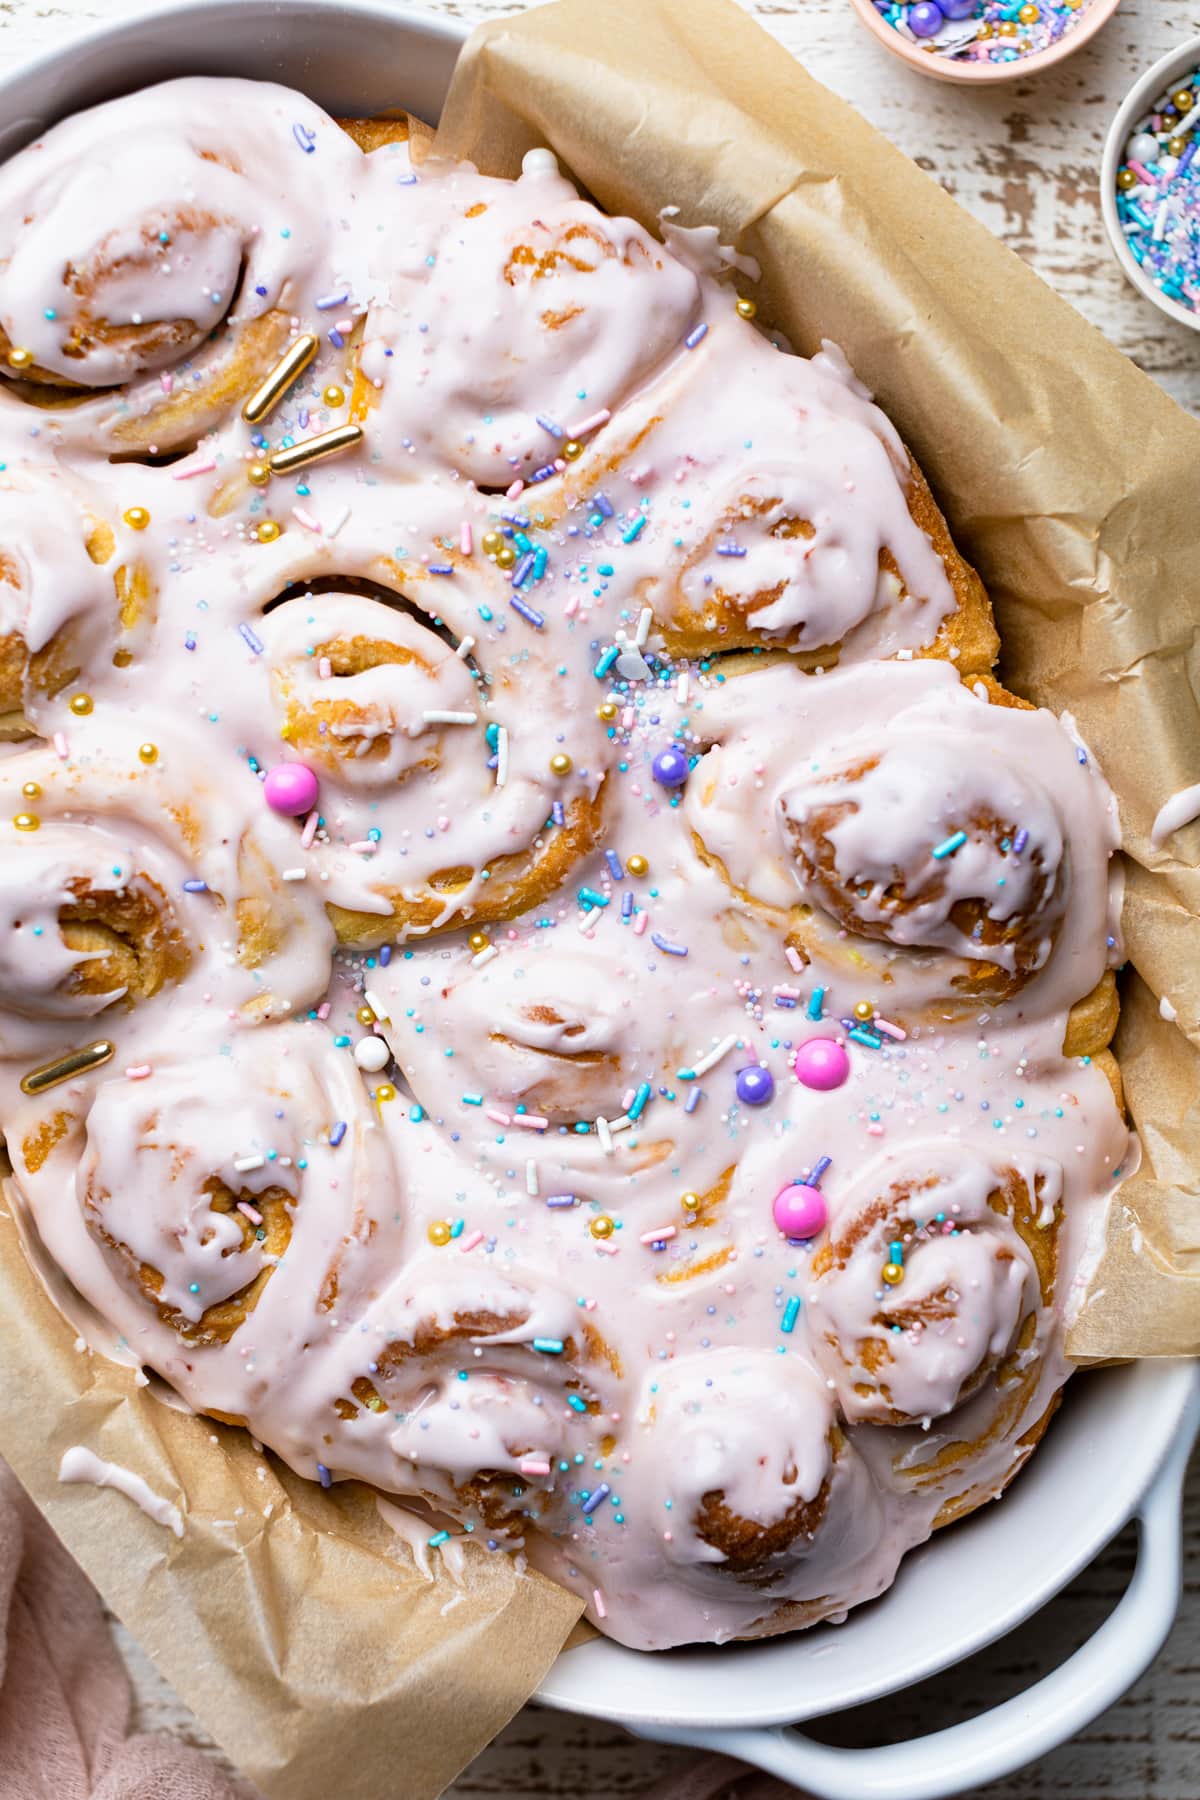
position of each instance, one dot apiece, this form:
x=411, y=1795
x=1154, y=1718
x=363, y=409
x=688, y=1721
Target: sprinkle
x=271, y=391
x=307, y=140
x=75, y=1062
x=549, y=1346
x=310, y=829
x=61, y=749
x=639, y=1102
x=626, y=905
x=465, y=647
x=515, y=491
x=243, y=1164
x=790, y=1314
x=708, y=1061
x=859, y=1035
x=531, y=1177
x=818, y=1170
x=323, y=1475
x=694, y=337
x=466, y=542
x=139, y=1072
x=438, y=1539
x=250, y=1212
x=605, y=1136
x=614, y=865
x=195, y=886
x=693, y=1100
x=889, y=1030
x=1020, y=841
x=328, y=302
x=603, y=505
x=560, y=1200
x=643, y=627
x=496, y=1116
x=607, y=659
x=947, y=848
x=660, y=1236
x=816, y=1004
x=597, y=1498
x=337, y=1133
x=592, y=423
x=576, y=1403
x=528, y=613
x=501, y=756
x=530, y=1121
x=377, y=1005
x=666, y=946
x=294, y=874
x=441, y=568
x=434, y=716
x=315, y=449
x=331, y=531
x=469, y=1243
x=534, y=1465
x=201, y=468
x=598, y=1603
x=590, y=897
x=731, y=550
x=307, y=519
x=548, y=426
x=252, y=638
x=483, y=957
x=635, y=530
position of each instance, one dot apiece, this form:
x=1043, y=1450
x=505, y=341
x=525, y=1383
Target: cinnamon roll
x=933, y=1281
x=73, y=592
x=448, y=794
x=157, y=249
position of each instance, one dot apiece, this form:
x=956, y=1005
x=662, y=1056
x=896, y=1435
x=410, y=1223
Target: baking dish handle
x=966, y=1756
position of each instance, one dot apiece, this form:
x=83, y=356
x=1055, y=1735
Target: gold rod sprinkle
x=293, y=362
x=314, y=449
x=75, y=1062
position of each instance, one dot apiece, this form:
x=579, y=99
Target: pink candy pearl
x=800, y=1212
x=291, y=788
x=821, y=1063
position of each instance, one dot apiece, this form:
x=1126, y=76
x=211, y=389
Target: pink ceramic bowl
x=946, y=68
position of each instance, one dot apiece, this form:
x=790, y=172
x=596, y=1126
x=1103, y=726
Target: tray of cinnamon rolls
x=540, y=967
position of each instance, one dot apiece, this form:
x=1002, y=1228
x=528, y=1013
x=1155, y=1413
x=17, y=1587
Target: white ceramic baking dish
x=1120, y=1447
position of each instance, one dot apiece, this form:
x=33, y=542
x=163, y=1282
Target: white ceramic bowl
x=1141, y=96
x=1121, y=1443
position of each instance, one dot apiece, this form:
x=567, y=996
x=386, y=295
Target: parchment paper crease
x=293, y=1621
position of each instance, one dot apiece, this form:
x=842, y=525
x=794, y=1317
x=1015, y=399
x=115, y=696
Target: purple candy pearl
x=755, y=1085
x=670, y=767
x=926, y=18
x=291, y=788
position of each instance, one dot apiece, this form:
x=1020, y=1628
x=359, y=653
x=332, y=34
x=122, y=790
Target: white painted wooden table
x=1024, y=158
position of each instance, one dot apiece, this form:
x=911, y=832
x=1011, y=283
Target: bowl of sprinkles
x=1150, y=184
x=983, y=40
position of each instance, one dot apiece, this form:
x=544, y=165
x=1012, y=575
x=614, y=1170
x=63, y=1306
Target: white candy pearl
x=1143, y=148
x=539, y=162
x=372, y=1054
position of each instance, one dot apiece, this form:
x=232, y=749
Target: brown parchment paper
x=293, y=1621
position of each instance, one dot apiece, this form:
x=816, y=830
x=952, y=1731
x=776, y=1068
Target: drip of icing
x=1180, y=810
x=81, y=1464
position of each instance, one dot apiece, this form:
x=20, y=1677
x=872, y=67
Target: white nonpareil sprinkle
x=436, y=717
x=295, y=874
x=484, y=956
x=644, y=623
x=712, y=1057
x=332, y=529
x=243, y=1164
x=465, y=647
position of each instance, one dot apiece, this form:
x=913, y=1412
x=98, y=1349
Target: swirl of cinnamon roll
x=72, y=589
x=441, y=800
x=766, y=1498
x=902, y=807
x=159, y=246
x=192, y=1186
x=83, y=925
x=493, y=389
x=931, y=1281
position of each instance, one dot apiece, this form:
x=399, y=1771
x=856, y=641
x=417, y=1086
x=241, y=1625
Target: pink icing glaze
x=492, y=1297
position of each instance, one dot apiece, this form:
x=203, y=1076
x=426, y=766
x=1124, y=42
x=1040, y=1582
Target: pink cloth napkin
x=64, y=1695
